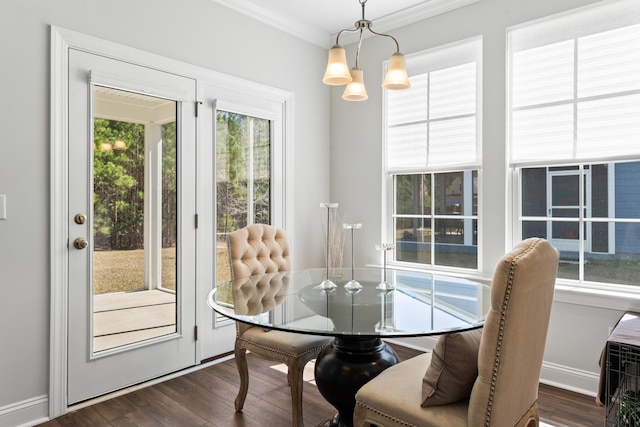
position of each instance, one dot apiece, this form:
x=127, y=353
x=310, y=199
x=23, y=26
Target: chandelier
x=338, y=72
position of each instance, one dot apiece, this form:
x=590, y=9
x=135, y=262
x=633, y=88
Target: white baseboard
x=564, y=377
x=568, y=378
x=27, y=413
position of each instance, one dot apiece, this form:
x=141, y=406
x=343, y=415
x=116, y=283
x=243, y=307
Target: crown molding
x=318, y=37
x=407, y=16
x=281, y=22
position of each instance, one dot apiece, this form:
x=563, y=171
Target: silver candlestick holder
x=385, y=286
x=352, y=286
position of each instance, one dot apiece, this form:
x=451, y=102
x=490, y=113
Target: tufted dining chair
x=503, y=388
x=255, y=250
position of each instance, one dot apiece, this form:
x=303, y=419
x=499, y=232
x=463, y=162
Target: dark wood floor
x=205, y=398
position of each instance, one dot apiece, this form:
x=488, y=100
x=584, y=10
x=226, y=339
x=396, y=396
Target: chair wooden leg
x=241, y=361
x=359, y=413
x=296, y=382
x=531, y=418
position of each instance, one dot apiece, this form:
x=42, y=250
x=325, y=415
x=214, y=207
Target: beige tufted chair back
x=260, y=259
x=258, y=249
x=514, y=336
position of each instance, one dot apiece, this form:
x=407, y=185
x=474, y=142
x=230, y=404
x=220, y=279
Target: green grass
x=605, y=271
x=122, y=271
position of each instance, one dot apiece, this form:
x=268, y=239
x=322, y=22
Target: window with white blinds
x=574, y=139
x=575, y=86
x=432, y=161
x=435, y=123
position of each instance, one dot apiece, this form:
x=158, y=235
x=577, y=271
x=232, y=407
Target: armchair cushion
x=453, y=369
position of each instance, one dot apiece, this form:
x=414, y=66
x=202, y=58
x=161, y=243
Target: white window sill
x=623, y=299
x=620, y=297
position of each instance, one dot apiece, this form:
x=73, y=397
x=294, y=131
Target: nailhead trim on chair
x=389, y=417
x=229, y=255
x=503, y=315
x=311, y=350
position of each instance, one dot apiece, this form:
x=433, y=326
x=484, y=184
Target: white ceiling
x=319, y=21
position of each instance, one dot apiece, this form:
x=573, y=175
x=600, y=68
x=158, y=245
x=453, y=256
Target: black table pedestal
x=344, y=366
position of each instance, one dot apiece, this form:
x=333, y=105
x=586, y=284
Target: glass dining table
x=385, y=304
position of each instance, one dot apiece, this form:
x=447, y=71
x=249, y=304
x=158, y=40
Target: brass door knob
x=80, y=243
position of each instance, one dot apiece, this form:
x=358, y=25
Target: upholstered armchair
x=503, y=390
x=257, y=250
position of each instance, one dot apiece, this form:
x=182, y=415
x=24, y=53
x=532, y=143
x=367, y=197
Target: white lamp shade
x=396, y=78
x=337, y=72
x=355, y=91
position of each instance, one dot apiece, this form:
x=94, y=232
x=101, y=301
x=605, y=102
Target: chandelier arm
x=348, y=30
x=387, y=35
x=358, y=50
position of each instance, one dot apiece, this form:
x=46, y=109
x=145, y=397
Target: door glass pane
x=564, y=202
x=135, y=233
x=564, y=229
x=243, y=178
x=565, y=190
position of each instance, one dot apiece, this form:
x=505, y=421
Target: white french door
x=131, y=226
x=243, y=132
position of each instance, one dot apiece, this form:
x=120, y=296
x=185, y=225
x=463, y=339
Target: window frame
x=571, y=290
x=416, y=61
x=467, y=216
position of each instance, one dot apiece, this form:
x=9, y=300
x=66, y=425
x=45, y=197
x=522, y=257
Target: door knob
x=80, y=243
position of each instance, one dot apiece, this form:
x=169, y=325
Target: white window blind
x=435, y=122
x=575, y=86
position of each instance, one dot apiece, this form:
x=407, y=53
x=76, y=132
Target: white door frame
x=62, y=40
x=584, y=209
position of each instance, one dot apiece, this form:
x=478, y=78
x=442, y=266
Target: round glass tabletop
x=404, y=303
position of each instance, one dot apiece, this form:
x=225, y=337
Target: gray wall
x=198, y=32
x=580, y=323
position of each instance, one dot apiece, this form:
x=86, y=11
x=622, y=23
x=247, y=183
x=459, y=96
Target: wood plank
x=568, y=409
x=133, y=319
x=112, y=341
x=163, y=409
x=120, y=300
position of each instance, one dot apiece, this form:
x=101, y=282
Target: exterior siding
x=627, y=203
